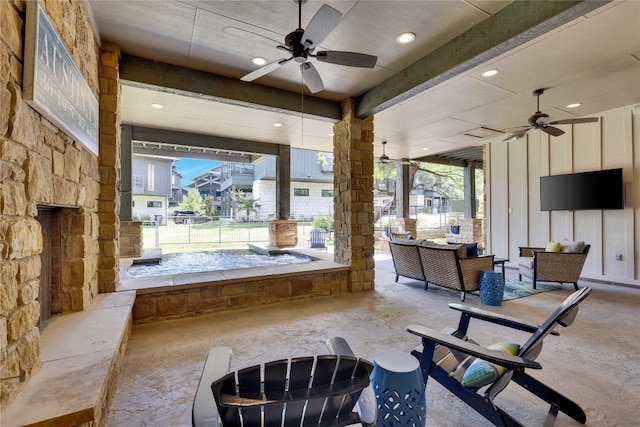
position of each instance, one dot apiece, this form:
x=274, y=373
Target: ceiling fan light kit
x=384, y=159
x=537, y=121
x=301, y=43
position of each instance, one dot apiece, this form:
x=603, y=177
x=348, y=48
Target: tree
x=210, y=207
x=324, y=158
x=192, y=202
x=447, y=180
x=243, y=201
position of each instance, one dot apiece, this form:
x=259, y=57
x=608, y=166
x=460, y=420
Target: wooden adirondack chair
x=320, y=390
x=449, y=356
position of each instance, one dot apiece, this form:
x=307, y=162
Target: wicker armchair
x=541, y=266
x=443, y=266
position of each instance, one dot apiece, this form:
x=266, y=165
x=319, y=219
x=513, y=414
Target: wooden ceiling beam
x=139, y=133
x=140, y=72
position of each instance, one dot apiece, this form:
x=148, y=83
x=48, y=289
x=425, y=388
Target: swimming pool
x=205, y=261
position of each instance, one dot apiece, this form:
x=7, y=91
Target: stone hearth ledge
x=81, y=357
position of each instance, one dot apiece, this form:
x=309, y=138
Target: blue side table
x=400, y=390
x=491, y=287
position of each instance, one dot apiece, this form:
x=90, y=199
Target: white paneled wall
x=513, y=172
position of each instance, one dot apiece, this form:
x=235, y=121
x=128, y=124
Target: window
x=156, y=204
x=137, y=184
x=327, y=193
x=301, y=192
x=151, y=177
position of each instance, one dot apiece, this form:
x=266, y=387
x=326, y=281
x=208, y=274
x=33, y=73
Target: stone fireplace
x=61, y=250
x=53, y=187
x=50, y=264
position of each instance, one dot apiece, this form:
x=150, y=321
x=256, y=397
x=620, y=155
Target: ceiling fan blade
x=350, y=59
x=252, y=37
x=311, y=77
x=552, y=131
x=325, y=19
x=516, y=135
x=264, y=70
x=518, y=128
x=574, y=121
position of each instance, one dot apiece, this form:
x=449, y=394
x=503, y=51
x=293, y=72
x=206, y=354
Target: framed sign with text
x=53, y=85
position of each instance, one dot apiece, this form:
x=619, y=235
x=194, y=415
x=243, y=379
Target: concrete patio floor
x=595, y=362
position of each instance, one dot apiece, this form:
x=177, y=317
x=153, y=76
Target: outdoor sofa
x=442, y=265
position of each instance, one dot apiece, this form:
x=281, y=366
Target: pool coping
x=323, y=263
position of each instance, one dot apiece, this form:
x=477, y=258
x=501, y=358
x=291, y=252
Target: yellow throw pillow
x=553, y=246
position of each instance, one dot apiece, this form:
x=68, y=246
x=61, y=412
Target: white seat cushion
x=525, y=261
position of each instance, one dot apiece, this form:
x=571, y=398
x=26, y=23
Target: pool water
x=199, y=262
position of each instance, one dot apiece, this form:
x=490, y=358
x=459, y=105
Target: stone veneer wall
x=40, y=165
x=471, y=230
x=353, y=197
x=211, y=297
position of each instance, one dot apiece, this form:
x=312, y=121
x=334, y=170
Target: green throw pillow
x=481, y=372
x=553, y=246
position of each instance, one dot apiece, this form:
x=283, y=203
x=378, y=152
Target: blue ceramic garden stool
x=491, y=287
x=399, y=389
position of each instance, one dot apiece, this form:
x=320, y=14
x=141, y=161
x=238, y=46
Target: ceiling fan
x=384, y=159
x=301, y=43
x=537, y=121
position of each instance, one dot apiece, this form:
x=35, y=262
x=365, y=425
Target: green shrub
x=324, y=222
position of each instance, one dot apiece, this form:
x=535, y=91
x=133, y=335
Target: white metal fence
x=156, y=234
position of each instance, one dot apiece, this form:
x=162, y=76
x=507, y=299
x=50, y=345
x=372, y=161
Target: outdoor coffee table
x=500, y=262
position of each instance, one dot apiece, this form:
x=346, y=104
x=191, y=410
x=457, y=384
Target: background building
x=152, y=184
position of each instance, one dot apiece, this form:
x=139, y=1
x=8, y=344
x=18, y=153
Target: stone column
x=283, y=233
x=403, y=189
x=409, y=225
x=130, y=239
x=109, y=166
x=283, y=183
x=353, y=198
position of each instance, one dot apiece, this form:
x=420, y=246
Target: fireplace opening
x=50, y=278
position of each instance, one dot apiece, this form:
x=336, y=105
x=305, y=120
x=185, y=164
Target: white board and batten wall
x=514, y=218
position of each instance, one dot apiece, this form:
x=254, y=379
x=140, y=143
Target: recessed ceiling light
x=490, y=73
x=257, y=60
x=425, y=149
x=158, y=106
x=574, y=105
x=277, y=124
x=405, y=38
x=331, y=134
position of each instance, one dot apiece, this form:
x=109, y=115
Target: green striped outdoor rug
x=514, y=289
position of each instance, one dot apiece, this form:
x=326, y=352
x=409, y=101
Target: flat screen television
x=602, y=189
